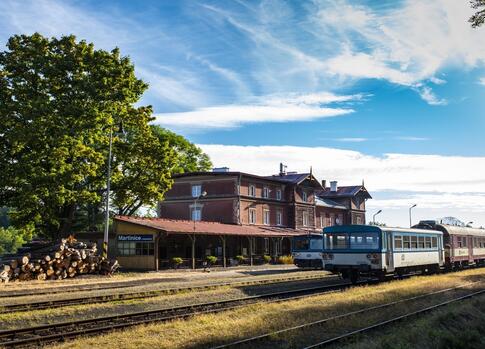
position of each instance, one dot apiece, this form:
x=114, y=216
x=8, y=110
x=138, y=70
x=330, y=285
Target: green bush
x=211, y=259
x=240, y=259
x=267, y=258
x=176, y=261
x=285, y=260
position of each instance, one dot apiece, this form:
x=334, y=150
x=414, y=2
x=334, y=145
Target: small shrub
x=285, y=259
x=267, y=258
x=240, y=259
x=211, y=259
x=176, y=261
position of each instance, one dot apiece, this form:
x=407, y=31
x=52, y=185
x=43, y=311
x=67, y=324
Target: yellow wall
x=135, y=262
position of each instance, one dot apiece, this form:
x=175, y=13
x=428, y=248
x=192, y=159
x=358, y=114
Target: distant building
x=251, y=215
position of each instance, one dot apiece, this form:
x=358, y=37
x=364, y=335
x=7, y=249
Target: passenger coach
x=307, y=251
x=355, y=250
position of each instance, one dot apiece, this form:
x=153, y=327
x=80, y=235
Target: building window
x=266, y=245
x=266, y=217
x=359, y=220
x=196, y=214
x=340, y=219
x=278, y=194
x=306, y=219
x=322, y=222
x=265, y=192
x=252, y=190
x=304, y=196
x=131, y=248
x=252, y=216
x=279, y=218
x=196, y=190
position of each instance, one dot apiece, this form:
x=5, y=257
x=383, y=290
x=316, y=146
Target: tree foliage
x=59, y=98
x=188, y=157
x=479, y=17
x=11, y=239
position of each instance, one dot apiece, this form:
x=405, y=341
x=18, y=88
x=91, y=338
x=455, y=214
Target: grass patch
x=212, y=329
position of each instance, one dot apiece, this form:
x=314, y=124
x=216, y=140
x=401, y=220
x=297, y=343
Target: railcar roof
x=373, y=228
x=455, y=230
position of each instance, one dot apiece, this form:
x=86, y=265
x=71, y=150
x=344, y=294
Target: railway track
x=129, y=284
x=271, y=339
x=20, y=307
x=40, y=335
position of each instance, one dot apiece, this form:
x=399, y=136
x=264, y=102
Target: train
x=307, y=251
x=354, y=251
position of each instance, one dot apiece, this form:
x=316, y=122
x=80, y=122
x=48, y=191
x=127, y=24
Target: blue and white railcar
x=307, y=251
x=356, y=250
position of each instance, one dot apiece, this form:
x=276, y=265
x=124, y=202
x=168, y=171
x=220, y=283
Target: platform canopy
x=177, y=226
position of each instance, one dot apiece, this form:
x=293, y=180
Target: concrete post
x=192, y=238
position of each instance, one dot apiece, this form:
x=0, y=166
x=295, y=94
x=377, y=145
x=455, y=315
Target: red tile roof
x=209, y=228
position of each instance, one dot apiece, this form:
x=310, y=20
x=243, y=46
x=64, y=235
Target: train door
x=389, y=251
x=441, y=252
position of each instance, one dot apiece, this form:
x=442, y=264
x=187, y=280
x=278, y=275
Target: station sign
x=143, y=237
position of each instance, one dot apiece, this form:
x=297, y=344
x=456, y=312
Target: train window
x=434, y=242
x=316, y=244
x=427, y=241
x=406, y=243
x=420, y=241
x=337, y=241
x=364, y=241
x=398, y=242
x=414, y=242
x=301, y=244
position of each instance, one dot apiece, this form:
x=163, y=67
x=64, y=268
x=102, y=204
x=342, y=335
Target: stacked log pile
x=57, y=261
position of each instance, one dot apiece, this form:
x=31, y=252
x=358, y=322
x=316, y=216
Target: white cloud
x=412, y=138
x=274, y=108
x=482, y=81
x=409, y=172
x=440, y=185
x=427, y=94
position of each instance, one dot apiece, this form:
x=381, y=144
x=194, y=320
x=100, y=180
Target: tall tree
x=188, y=157
x=59, y=98
x=479, y=17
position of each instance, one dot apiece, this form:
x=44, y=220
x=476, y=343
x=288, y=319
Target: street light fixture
x=410, y=220
x=374, y=217
x=469, y=224
x=108, y=188
x=203, y=194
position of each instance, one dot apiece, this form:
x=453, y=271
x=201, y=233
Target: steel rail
x=392, y=321
x=247, y=341
x=20, y=307
x=57, y=331
x=135, y=283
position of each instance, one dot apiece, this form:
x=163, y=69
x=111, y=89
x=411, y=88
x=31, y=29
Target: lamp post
x=469, y=224
x=108, y=188
x=374, y=217
x=410, y=220
x=204, y=193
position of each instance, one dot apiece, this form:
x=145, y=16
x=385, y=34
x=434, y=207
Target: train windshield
x=308, y=243
x=353, y=241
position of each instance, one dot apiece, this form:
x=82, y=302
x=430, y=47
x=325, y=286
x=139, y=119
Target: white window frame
x=306, y=222
x=196, y=190
x=252, y=190
x=278, y=194
x=266, y=216
x=196, y=213
x=252, y=216
x=279, y=218
x=322, y=221
x=265, y=192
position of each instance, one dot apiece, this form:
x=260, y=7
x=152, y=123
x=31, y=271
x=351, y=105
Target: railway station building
x=227, y=214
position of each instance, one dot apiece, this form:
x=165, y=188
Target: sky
x=391, y=93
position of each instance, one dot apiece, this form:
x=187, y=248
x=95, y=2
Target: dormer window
x=196, y=190
x=304, y=196
x=252, y=190
x=265, y=192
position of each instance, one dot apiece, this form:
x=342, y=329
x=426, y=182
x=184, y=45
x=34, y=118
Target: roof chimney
x=220, y=169
x=333, y=186
x=282, y=169
x=324, y=183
